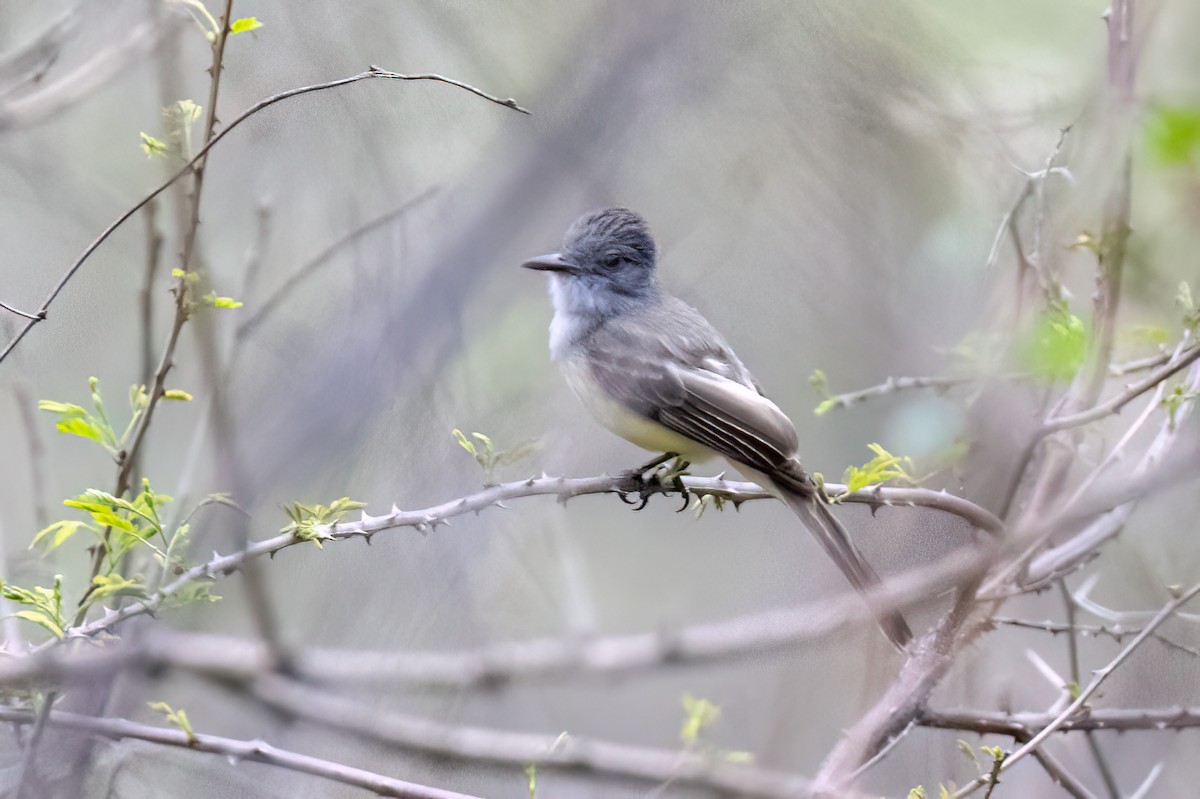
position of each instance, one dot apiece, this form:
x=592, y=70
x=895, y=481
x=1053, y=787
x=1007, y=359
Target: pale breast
x=630, y=426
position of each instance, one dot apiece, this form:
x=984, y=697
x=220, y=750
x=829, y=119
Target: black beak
x=554, y=262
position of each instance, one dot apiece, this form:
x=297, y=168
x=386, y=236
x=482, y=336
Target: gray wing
x=673, y=367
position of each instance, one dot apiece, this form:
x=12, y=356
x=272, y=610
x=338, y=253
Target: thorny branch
x=251, y=751
x=561, y=487
x=1077, y=706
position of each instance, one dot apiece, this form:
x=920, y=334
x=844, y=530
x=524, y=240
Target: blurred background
x=825, y=181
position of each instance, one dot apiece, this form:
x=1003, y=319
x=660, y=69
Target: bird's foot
x=659, y=476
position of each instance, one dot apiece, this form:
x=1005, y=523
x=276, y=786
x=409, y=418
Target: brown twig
x=370, y=74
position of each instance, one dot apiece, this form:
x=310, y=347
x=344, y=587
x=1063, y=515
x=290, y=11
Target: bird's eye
x=611, y=261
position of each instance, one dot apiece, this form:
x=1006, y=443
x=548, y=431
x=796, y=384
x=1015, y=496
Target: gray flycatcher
x=651, y=369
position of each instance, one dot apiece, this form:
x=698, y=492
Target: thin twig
x=1102, y=766
x=32, y=316
x=1084, y=695
x=989, y=722
x=370, y=74
x=276, y=299
x=893, y=385
x=253, y=751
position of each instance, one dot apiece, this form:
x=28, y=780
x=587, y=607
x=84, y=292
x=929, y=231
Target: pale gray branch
x=1081, y=700
x=253, y=751
x=563, y=751
x=560, y=487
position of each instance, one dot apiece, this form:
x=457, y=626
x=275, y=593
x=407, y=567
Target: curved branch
x=562, y=488
x=1115, y=404
x=372, y=73
x=253, y=751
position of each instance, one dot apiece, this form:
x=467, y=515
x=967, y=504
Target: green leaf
x=84, y=428
x=58, y=533
x=111, y=585
x=1057, y=345
x=110, y=519
x=306, y=519
x=177, y=717
x=917, y=793
x=1174, y=401
x=176, y=394
x=699, y=714
x=819, y=383
x=138, y=398
x=191, y=592
x=518, y=453
x=531, y=779
x=883, y=467
x=244, y=25
x=1191, y=313
x=1173, y=135
x=184, y=112
x=464, y=442
x=46, y=604
x=41, y=618
x=825, y=407
x=213, y=301
x=152, y=146
x=66, y=409
x=1149, y=335
x=994, y=752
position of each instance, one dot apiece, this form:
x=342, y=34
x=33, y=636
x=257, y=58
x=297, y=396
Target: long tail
x=836, y=542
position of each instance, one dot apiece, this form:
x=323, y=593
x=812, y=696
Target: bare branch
x=252, y=751
x=19, y=312
x=1115, y=404
x=1084, y=695
x=987, y=722
x=738, y=637
x=893, y=385
x=372, y=73
x=477, y=744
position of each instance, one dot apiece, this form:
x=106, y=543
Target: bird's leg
x=635, y=480
x=659, y=461
x=661, y=479
x=675, y=474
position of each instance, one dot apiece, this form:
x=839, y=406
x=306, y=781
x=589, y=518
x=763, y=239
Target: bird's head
x=607, y=259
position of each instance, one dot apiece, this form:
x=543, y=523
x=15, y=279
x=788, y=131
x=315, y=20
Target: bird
x=653, y=370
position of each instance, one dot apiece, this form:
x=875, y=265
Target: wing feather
x=684, y=376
